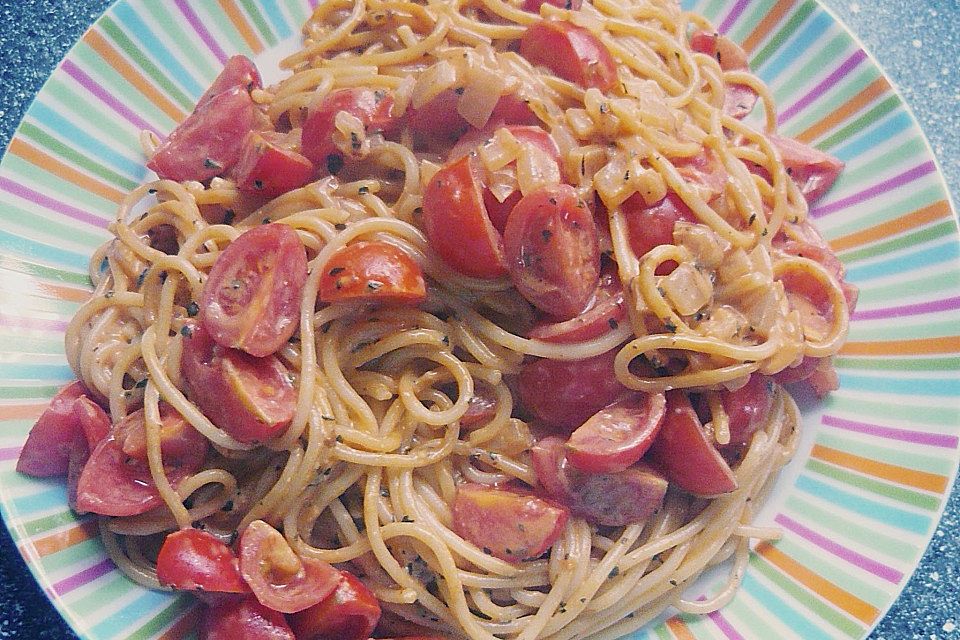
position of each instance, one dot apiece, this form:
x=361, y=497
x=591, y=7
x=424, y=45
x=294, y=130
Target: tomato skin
x=373, y=108
x=511, y=525
x=178, y=439
x=269, y=165
x=747, y=407
x=264, y=559
x=370, y=272
x=251, y=299
x=350, y=613
x=534, y=5
x=239, y=71
x=439, y=118
x=194, y=560
x=244, y=619
x=739, y=99
x=686, y=454
x=553, y=252
x=652, y=226
x=571, y=52
x=252, y=399
x=209, y=142
x=618, y=435
x=565, y=393
x=457, y=225
x=813, y=170
x=605, y=314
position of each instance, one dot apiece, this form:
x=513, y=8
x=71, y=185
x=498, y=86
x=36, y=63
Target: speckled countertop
x=917, y=43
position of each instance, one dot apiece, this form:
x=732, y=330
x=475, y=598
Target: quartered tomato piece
x=652, y=226
x=534, y=5
x=178, y=439
x=565, y=393
x=251, y=299
x=739, y=100
x=370, y=272
x=686, y=454
x=571, y=52
x=252, y=399
x=350, y=613
x=238, y=72
x=270, y=165
x=374, y=109
x=618, y=435
x=244, y=619
x=813, y=170
x=510, y=525
x=194, y=560
x=439, y=119
x=605, y=314
x=552, y=250
x=747, y=407
x=457, y=225
x=278, y=577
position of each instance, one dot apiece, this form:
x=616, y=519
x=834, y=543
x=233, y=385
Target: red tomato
x=194, y=560
x=510, y=525
x=747, y=407
x=534, y=5
x=270, y=165
x=244, y=619
x=370, y=272
x=457, y=225
x=481, y=407
x=238, y=72
x=815, y=248
x=618, y=435
x=605, y=314
x=439, y=118
x=373, y=108
x=553, y=252
x=819, y=373
x=163, y=238
x=608, y=499
x=686, y=454
x=278, y=577
x=652, y=226
x=564, y=393
x=739, y=99
x=704, y=169
x=252, y=399
x=71, y=417
x=813, y=170
x=571, y=52
x=178, y=439
x=209, y=142
x=251, y=299
x=350, y=613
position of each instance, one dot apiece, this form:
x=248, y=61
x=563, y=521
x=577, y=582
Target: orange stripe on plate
x=64, y=539
x=766, y=25
x=60, y=292
x=243, y=27
x=51, y=165
x=872, y=91
x=918, y=218
x=901, y=475
x=919, y=346
x=22, y=411
x=863, y=611
x=183, y=626
x=113, y=57
x=679, y=629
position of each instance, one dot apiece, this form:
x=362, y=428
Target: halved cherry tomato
x=457, y=225
x=814, y=247
x=440, y=120
x=48, y=447
x=686, y=454
x=813, y=170
x=163, y=238
x=652, y=226
x=270, y=165
x=618, y=435
x=209, y=142
x=374, y=108
x=704, y=169
x=747, y=407
x=739, y=99
x=239, y=71
x=564, y=393
x=370, y=272
x=605, y=314
x=481, y=407
x=510, y=525
x=571, y=52
x=609, y=499
x=252, y=399
x=251, y=299
x=534, y=5
x=350, y=613
x=278, y=577
x=178, y=439
x=194, y=560
x=244, y=619
x=551, y=247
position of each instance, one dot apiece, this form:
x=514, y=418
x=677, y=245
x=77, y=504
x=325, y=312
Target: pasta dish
x=474, y=325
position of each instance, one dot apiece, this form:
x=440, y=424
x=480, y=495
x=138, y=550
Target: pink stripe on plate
x=878, y=189
x=201, y=30
x=9, y=453
x=47, y=202
x=735, y=13
x=108, y=99
x=946, y=304
x=892, y=433
x=87, y=575
x=724, y=626
x=838, y=74
x=33, y=323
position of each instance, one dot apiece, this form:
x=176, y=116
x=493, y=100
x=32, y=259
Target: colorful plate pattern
x=858, y=505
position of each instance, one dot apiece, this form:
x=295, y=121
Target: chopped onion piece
x=480, y=95
x=433, y=81
x=687, y=289
x=535, y=169
x=500, y=151
x=706, y=247
x=350, y=135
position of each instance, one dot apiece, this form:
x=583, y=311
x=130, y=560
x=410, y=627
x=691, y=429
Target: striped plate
x=857, y=506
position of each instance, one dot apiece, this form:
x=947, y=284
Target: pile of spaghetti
x=488, y=304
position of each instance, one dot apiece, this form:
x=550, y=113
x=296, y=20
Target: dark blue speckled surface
x=917, y=42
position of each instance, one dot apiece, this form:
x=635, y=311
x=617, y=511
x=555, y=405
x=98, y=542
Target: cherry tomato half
x=652, y=226
x=371, y=272
x=618, y=435
x=440, y=120
x=178, y=439
x=251, y=299
x=374, y=108
x=604, y=314
x=571, y=52
x=350, y=613
x=252, y=399
x=270, y=165
x=239, y=71
x=244, y=619
x=278, y=577
x=738, y=99
x=194, y=560
x=813, y=170
x=747, y=407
